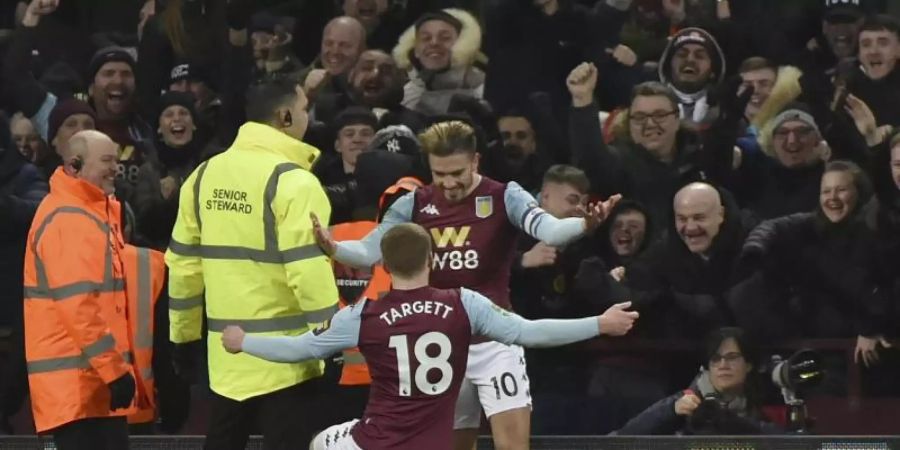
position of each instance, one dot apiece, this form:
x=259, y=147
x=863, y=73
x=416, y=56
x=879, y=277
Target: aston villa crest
x=484, y=207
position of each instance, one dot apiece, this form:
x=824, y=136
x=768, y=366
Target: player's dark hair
x=565, y=174
x=449, y=138
x=405, y=249
x=267, y=95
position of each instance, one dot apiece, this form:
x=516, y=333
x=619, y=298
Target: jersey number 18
x=426, y=363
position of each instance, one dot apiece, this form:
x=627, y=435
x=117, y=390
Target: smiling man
x=691, y=64
x=876, y=81
x=112, y=94
x=683, y=279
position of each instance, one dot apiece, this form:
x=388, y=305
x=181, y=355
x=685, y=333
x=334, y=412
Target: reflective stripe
x=71, y=290
x=270, y=253
x=144, y=337
x=62, y=363
x=353, y=357
x=42, y=290
x=105, y=343
x=182, y=304
x=184, y=249
x=301, y=253
x=200, y=171
x=321, y=315
x=285, y=323
x=146, y=373
x=65, y=363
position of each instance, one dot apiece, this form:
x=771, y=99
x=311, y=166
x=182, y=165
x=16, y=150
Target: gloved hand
x=184, y=362
x=121, y=392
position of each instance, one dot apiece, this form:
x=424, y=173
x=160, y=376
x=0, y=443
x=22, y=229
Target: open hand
x=867, y=349
x=623, y=54
x=323, y=237
x=597, y=213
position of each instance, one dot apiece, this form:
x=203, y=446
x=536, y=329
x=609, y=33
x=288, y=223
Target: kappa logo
x=430, y=209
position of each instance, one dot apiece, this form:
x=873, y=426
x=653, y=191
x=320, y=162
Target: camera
x=802, y=370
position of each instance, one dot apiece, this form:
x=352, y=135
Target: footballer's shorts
x=335, y=437
x=495, y=381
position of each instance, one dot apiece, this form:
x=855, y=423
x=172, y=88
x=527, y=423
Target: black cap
x=355, y=115
x=192, y=72
x=396, y=139
x=443, y=16
x=176, y=98
x=843, y=10
x=108, y=55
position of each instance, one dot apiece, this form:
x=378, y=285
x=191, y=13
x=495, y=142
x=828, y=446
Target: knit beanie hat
x=176, y=98
x=62, y=111
x=107, y=55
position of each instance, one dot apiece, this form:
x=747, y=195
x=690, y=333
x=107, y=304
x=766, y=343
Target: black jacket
x=682, y=292
x=882, y=96
x=631, y=170
x=21, y=190
x=809, y=278
x=661, y=419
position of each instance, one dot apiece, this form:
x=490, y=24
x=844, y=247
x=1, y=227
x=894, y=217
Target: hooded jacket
x=695, y=106
x=430, y=92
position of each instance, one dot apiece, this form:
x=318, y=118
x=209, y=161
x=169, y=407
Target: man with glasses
x=784, y=179
x=649, y=162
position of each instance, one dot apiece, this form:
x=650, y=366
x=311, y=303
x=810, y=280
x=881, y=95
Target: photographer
x=723, y=399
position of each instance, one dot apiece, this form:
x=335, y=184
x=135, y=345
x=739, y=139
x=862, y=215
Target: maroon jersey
x=473, y=240
x=416, y=344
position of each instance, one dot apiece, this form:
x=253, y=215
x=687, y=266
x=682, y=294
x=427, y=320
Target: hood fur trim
x=465, y=51
x=785, y=91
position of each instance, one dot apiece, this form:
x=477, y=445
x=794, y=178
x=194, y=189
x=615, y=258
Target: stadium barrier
x=551, y=443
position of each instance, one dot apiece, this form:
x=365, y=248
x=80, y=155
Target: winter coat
x=735, y=417
x=808, y=278
x=882, y=96
x=685, y=292
x=430, y=92
x=629, y=169
x=21, y=190
x=155, y=216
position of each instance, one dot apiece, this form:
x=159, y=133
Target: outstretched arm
x=341, y=333
x=490, y=320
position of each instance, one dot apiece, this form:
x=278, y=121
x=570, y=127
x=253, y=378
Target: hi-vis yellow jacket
x=243, y=249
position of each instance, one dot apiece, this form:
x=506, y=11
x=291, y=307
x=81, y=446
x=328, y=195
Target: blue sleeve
x=366, y=252
x=488, y=319
x=341, y=333
x=523, y=212
x=41, y=119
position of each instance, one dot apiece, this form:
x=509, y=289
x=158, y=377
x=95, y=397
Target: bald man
x=92, y=157
x=699, y=215
x=343, y=39
x=680, y=284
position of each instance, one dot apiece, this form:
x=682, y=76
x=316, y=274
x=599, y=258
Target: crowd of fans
x=753, y=143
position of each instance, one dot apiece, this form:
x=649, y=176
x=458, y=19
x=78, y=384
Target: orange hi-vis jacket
x=81, y=332
x=144, y=279
x=355, y=372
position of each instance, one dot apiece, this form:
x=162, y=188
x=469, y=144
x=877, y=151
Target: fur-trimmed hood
x=465, y=52
x=696, y=36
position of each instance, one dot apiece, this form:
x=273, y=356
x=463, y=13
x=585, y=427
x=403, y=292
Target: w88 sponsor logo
x=455, y=260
